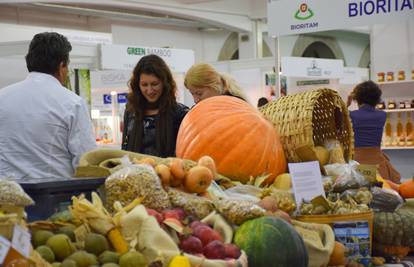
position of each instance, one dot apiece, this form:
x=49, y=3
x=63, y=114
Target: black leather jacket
x=148, y=141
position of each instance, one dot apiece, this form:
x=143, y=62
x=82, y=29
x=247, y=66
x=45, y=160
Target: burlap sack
x=319, y=241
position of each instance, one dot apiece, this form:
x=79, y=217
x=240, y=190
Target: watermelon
x=271, y=242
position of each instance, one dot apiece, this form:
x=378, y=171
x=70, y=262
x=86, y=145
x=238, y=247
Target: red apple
x=215, y=250
x=232, y=251
x=175, y=213
x=191, y=245
x=196, y=224
x=156, y=214
x=206, y=234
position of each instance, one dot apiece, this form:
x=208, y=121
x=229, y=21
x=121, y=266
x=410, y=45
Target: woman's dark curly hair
x=367, y=93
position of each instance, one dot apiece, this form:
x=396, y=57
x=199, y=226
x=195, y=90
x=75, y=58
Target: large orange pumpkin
x=237, y=136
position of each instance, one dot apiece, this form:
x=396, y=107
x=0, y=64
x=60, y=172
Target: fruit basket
x=311, y=118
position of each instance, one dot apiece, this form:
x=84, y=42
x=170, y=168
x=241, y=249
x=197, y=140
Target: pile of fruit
x=199, y=238
x=61, y=249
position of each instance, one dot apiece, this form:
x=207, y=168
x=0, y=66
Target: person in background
x=203, y=81
x=368, y=124
x=153, y=116
x=44, y=127
x=262, y=101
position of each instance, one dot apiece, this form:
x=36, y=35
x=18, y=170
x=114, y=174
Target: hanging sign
x=124, y=57
x=294, y=17
x=315, y=68
x=121, y=97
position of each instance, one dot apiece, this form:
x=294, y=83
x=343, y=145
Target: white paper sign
x=306, y=181
x=4, y=249
x=124, y=57
x=295, y=17
x=315, y=68
x=21, y=240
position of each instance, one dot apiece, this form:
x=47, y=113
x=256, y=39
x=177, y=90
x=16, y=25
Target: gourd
x=338, y=255
x=407, y=189
x=271, y=242
x=394, y=231
x=237, y=136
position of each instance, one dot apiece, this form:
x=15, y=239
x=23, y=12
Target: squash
x=271, y=242
x=237, y=136
x=394, y=229
x=338, y=255
x=283, y=182
x=322, y=154
x=407, y=189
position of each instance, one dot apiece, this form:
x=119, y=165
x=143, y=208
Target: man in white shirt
x=44, y=127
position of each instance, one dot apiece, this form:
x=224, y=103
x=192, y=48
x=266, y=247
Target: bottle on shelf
x=381, y=105
x=412, y=103
x=409, y=130
x=402, y=105
x=388, y=131
x=400, y=137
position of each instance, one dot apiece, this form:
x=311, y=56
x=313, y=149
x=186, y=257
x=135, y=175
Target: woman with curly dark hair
x=368, y=123
x=153, y=116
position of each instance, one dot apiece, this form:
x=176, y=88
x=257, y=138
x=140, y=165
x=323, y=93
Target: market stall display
x=181, y=212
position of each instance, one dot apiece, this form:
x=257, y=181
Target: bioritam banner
x=294, y=17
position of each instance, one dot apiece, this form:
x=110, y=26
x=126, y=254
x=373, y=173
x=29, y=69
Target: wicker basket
x=311, y=118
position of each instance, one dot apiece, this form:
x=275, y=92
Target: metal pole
x=277, y=68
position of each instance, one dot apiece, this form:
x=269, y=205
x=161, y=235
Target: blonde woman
x=203, y=81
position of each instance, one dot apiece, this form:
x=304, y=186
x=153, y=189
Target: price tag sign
x=4, y=249
x=368, y=171
x=306, y=181
x=21, y=240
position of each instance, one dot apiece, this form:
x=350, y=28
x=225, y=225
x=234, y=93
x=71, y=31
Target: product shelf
x=399, y=110
x=397, y=147
x=396, y=82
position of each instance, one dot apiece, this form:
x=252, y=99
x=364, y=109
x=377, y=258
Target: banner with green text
x=294, y=17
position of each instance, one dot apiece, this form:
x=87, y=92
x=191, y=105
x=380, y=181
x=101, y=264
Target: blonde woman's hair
x=204, y=75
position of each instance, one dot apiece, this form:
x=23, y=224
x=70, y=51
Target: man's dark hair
x=367, y=93
x=46, y=51
x=262, y=101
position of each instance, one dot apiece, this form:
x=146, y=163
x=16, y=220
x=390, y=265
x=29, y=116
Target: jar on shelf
x=402, y=105
x=392, y=104
x=390, y=76
x=381, y=105
x=412, y=103
x=381, y=77
x=412, y=75
x=401, y=75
